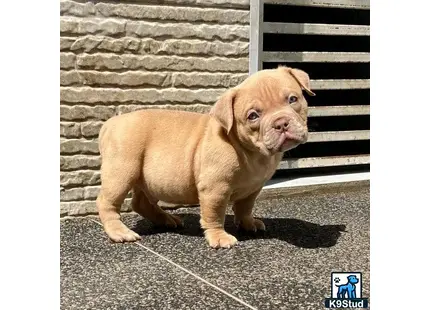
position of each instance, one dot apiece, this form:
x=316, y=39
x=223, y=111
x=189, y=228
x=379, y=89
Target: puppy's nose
x=281, y=124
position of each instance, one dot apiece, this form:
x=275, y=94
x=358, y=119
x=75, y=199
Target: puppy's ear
x=303, y=79
x=222, y=111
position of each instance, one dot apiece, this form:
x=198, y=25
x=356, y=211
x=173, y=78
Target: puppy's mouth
x=285, y=141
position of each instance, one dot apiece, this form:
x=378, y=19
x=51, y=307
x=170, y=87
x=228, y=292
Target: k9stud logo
x=346, y=290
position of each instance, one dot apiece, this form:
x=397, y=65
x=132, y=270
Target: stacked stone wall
x=117, y=57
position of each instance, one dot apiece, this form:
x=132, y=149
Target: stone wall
x=119, y=57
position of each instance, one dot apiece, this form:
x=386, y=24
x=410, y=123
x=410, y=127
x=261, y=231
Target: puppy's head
x=267, y=112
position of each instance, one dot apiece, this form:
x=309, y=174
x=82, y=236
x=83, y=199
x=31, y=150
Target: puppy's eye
x=292, y=99
x=253, y=116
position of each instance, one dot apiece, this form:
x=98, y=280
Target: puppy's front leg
x=243, y=214
x=212, y=208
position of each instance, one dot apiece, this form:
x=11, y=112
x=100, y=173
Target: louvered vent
x=329, y=39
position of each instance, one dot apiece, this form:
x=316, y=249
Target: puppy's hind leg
x=150, y=210
x=118, y=177
x=243, y=214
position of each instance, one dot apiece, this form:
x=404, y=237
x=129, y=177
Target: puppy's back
x=142, y=121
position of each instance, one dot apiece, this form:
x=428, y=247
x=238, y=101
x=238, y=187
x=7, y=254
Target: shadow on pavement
x=297, y=232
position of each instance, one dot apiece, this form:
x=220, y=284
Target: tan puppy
x=208, y=159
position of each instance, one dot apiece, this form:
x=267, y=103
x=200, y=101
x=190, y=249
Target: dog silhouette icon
x=348, y=288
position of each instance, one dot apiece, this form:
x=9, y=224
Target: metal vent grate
x=329, y=39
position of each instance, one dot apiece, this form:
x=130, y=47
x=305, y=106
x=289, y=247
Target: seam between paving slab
x=189, y=272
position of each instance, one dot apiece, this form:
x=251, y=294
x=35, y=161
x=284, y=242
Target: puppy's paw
x=177, y=220
x=218, y=238
x=118, y=232
x=250, y=224
x=167, y=220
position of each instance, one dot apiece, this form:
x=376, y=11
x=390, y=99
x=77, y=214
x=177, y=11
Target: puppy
x=212, y=159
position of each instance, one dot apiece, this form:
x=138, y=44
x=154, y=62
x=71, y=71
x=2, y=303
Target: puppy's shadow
x=297, y=232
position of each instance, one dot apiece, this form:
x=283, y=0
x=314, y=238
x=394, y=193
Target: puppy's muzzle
x=282, y=126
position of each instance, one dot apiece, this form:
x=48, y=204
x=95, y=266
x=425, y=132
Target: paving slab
x=308, y=236
x=97, y=274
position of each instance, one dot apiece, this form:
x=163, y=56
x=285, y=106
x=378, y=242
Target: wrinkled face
x=270, y=111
